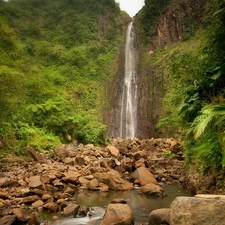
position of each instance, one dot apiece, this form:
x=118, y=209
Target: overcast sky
x=131, y=6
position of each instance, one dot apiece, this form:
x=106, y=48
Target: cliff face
x=175, y=25
x=181, y=18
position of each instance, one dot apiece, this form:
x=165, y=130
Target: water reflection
x=140, y=205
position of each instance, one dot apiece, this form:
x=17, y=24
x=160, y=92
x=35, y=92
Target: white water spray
x=128, y=117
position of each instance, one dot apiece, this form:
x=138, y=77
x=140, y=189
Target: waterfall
x=128, y=117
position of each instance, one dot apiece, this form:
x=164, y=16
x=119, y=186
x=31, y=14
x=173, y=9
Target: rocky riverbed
x=49, y=182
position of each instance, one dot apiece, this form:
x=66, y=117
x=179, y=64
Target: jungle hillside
x=55, y=59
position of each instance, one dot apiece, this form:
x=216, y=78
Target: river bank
x=50, y=182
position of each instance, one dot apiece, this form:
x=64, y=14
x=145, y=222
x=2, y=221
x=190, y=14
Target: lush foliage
x=194, y=73
x=148, y=18
x=55, y=57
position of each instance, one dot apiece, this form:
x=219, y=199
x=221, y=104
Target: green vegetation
x=55, y=57
x=194, y=77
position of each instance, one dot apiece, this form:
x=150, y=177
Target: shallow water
x=140, y=205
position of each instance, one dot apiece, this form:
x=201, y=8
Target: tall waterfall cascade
x=128, y=113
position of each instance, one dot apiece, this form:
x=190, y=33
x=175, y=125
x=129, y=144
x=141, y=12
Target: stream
x=140, y=205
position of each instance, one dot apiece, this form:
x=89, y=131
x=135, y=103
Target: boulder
x=159, y=216
x=36, y=156
x=52, y=206
x=144, y=176
x=34, y=219
x=152, y=190
x=20, y=214
x=113, y=150
x=7, y=220
x=113, y=180
x=71, y=209
x=118, y=214
x=201, y=211
x=3, y=182
x=35, y=182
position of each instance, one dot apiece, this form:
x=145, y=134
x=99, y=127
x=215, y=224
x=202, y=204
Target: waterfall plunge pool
x=140, y=204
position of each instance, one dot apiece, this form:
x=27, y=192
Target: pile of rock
x=49, y=182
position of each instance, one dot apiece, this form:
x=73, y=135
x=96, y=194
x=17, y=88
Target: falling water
x=129, y=93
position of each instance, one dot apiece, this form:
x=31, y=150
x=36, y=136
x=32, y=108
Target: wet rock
x=7, y=220
x=71, y=209
x=144, y=176
x=201, y=211
x=159, y=217
x=118, y=214
x=152, y=190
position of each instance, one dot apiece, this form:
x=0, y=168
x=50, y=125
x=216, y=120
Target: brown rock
x=144, y=176
x=35, y=182
x=34, y=219
x=20, y=214
x=35, y=155
x=113, y=180
x=92, y=184
x=37, y=204
x=29, y=199
x=159, y=216
x=152, y=190
x=46, y=197
x=3, y=182
x=71, y=209
x=113, y=150
x=52, y=206
x=79, y=161
x=7, y=220
x=118, y=214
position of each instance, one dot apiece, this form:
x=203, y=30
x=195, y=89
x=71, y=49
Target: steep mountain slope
x=55, y=57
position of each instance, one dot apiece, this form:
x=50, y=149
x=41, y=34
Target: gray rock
x=201, y=211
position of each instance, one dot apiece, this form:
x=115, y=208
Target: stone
x=159, y=217
x=113, y=150
x=114, y=180
x=35, y=182
x=152, y=190
x=201, y=211
x=71, y=177
x=3, y=182
x=20, y=214
x=34, y=219
x=35, y=155
x=29, y=199
x=144, y=176
x=118, y=214
x=7, y=220
x=93, y=184
x=52, y=206
x=46, y=197
x=79, y=161
x=37, y=204
x=71, y=209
